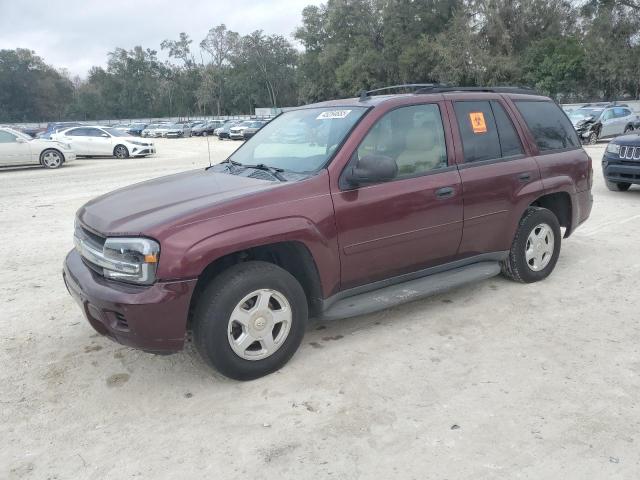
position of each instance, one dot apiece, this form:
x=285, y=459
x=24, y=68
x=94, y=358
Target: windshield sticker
x=477, y=122
x=331, y=114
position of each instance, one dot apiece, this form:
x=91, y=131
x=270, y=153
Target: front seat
x=420, y=154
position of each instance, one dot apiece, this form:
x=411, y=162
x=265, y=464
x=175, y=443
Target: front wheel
x=250, y=320
x=535, y=248
x=121, y=152
x=628, y=129
x=617, y=186
x=51, y=158
x=592, y=139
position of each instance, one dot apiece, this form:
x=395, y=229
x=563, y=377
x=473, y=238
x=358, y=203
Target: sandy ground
x=494, y=380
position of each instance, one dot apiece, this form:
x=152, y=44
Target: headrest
x=420, y=139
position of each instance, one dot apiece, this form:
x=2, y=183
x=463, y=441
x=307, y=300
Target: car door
x=14, y=150
x=498, y=174
x=79, y=140
x=411, y=222
x=100, y=141
x=609, y=123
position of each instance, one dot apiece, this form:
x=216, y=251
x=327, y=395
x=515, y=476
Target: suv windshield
x=300, y=140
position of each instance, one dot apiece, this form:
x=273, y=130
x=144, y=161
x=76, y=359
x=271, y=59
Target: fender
x=322, y=244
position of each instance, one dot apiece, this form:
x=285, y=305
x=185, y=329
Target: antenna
x=209, y=150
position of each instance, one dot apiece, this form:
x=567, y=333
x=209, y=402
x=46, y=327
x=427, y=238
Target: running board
x=409, y=291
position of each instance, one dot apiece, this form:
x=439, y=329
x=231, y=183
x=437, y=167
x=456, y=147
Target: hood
x=632, y=139
x=159, y=203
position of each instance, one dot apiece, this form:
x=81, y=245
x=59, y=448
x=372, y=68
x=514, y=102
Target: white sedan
x=104, y=141
x=16, y=148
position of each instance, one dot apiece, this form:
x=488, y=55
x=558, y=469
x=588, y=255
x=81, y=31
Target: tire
x=517, y=266
x=627, y=129
x=592, y=139
x=51, y=158
x=204, y=134
x=617, y=187
x=120, y=151
x=236, y=293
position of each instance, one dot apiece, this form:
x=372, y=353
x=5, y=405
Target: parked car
x=148, y=130
x=225, y=130
x=207, y=128
x=236, y=132
x=90, y=141
x=136, y=129
x=17, y=148
x=621, y=162
x=594, y=122
x=392, y=198
x=176, y=130
x=56, y=127
x=252, y=129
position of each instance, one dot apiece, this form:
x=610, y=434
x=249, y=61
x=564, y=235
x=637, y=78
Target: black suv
x=621, y=163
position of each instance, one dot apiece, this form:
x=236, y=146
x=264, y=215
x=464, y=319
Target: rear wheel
x=535, y=248
x=617, y=186
x=51, y=158
x=250, y=320
x=121, y=151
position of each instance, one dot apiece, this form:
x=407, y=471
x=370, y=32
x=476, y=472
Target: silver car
x=17, y=148
x=596, y=122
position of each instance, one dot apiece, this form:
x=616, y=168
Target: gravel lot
x=493, y=380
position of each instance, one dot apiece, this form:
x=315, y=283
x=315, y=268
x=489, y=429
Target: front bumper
x=174, y=134
x=140, y=150
x=236, y=136
x=151, y=318
x=617, y=170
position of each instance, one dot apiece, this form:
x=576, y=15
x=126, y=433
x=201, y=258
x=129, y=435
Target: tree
x=221, y=44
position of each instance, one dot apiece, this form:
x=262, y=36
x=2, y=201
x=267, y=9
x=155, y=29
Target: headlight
x=132, y=260
x=135, y=142
x=613, y=148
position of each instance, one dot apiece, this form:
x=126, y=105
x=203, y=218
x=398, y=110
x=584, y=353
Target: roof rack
x=422, y=88
x=363, y=94
x=506, y=89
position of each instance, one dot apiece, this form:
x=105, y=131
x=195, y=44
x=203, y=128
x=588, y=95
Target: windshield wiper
x=276, y=172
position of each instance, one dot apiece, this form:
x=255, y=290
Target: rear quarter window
x=550, y=127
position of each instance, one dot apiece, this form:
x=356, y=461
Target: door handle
x=524, y=177
x=445, y=192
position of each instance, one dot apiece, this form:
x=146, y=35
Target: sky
x=76, y=34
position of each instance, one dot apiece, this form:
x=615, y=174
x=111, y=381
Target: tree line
x=571, y=50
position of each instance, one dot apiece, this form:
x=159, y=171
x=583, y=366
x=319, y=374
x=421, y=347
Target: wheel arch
x=560, y=204
x=48, y=149
x=292, y=256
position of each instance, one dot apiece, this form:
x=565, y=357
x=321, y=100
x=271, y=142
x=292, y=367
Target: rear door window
x=510, y=144
x=478, y=130
x=550, y=127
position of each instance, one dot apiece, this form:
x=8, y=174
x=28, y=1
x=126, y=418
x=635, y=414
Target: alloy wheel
x=539, y=247
x=260, y=324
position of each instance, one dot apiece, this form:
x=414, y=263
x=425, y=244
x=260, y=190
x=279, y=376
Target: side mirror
x=372, y=169
x=20, y=140
x=104, y=135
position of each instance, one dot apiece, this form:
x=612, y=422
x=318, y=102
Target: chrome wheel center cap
x=259, y=323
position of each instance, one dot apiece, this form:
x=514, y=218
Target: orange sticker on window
x=477, y=122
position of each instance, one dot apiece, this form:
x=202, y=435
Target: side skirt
x=407, y=288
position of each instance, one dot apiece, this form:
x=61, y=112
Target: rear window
x=550, y=127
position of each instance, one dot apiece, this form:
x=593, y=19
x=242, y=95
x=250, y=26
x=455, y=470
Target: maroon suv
x=332, y=210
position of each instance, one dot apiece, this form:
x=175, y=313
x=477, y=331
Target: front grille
x=94, y=241
x=629, y=153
